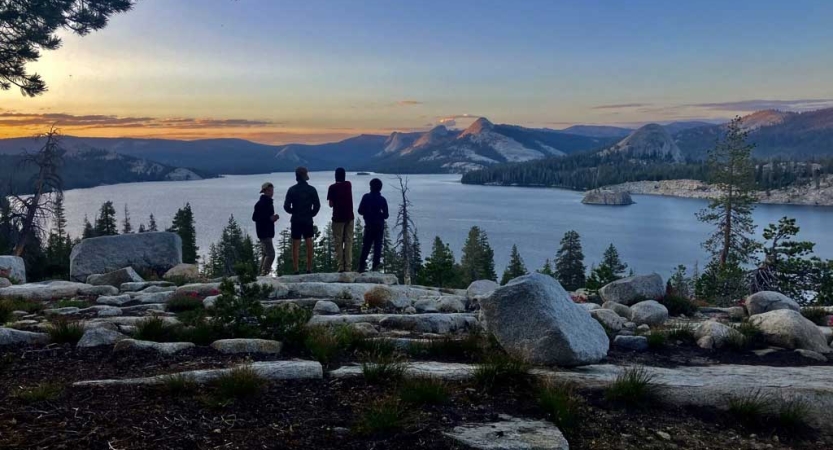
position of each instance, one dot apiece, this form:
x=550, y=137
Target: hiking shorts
x=302, y=230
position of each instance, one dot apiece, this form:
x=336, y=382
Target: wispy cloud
x=806, y=104
x=408, y=103
x=14, y=119
x=622, y=106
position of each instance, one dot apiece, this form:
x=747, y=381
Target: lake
x=653, y=235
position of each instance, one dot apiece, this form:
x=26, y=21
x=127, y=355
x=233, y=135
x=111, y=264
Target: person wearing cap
x=303, y=204
x=340, y=197
x=374, y=209
x=264, y=218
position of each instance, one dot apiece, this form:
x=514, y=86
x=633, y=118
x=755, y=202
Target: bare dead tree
x=406, y=229
x=33, y=211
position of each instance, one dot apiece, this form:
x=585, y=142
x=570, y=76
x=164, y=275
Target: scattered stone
x=736, y=313
x=426, y=306
x=718, y=332
x=143, y=308
x=68, y=311
x=811, y=355
x=828, y=333
x=209, y=301
x=609, y=319
x=618, y=308
x=234, y=346
x=187, y=272
x=481, y=288
x=635, y=343
x=158, y=297
x=409, y=310
x=97, y=337
x=133, y=287
x=451, y=304
x=766, y=301
x=103, y=311
x=630, y=290
x=534, y=318
x=15, y=267
x=4, y=282
x=200, y=289
x=325, y=308
x=167, y=348
x=270, y=370
x=365, y=329
x=157, y=289
x=418, y=369
x=156, y=251
x=789, y=329
x=765, y=351
x=664, y=435
x=630, y=326
x=95, y=291
x=590, y=306
x=10, y=336
x=643, y=328
x=649, y=312
x=114, y=300
x=510, y=434
x=706, y=342
x=115, y=278
x=386, y=297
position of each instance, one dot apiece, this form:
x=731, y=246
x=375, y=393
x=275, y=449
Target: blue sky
x=281, y=71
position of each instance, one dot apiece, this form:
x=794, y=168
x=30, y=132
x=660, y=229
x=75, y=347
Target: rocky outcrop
x=630, y=290
x=717, y=333
x=187, y=272
x=13, y=268
x=48, y=290
x=607, y=197
x=325, y=308
x=10, y=336
x=157, y=252
x=235, y=346
x=623, y=311
x=766, y=301
x=97, y=337
x=649, y=312
x=115, y=278
x=789, y=329
x=534, y=318
x=609, y=319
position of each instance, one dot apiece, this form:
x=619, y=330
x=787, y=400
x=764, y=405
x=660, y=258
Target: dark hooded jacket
x=262, y=217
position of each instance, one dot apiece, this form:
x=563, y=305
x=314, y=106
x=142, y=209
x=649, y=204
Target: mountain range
x=484, y=144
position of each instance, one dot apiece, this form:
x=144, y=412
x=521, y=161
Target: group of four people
x=303, y=205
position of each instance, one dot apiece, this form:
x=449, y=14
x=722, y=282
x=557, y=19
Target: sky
x=280, y=71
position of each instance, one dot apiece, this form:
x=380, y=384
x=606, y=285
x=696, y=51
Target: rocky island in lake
x=607, y=197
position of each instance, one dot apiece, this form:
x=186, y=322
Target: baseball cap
x=265, y=186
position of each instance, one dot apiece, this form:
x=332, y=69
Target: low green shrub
x=678, y=305
x=633, y=387
x=816, y=315
x=286, y=323
x=750, y=410
x=792, y=415
x=157, y=330
x=65, y=331
x=657, y=339
x=183, y=302
x=72, y=303
x=242, y=381
x=5, y=313
x=748, y=337
x=499, y=368
x=178, y=385
x=22, y=304
x=323, y=344
x=681, y=332
x=424, y=391
x=41, y=392
x=382, y=367
x=561, y=404
x=202, y=332
x=383, y=416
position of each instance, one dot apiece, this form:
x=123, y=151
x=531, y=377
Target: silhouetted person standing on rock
x=264, y=218
x=303, y=203
x=374, y=209
x=340, y=196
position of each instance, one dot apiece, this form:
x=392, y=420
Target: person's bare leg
x=309, y=254
x=296, y=253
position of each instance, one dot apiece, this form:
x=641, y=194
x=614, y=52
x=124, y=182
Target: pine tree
x=89, y=231
x=609, y=270
x=391, y=262
x=284, y=253
x=569, y=262
x=58, y=244
x=324, y=260
x=358, y=238
x=547, y=269
x=731, y=245
x=416, y=264
x=127, y=227
x=183, y=225
x=142, y=228
x=152, y=224
x=516, y=267
x=234, y=249
x=406, y=238
x=106, y=224
x=478, y=259
x=611, y=260
x=439, y=268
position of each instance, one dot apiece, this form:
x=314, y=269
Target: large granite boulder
x=766, y=301
x=534, y=318
x=607, y=197
x=718, y=333
x=620, y=309
x=157, y=251
x=630, y=290
x=609, y=319
x=789, y=329
x=115, y=278
x=13, y=268
x=649, y=312
x=187, y=272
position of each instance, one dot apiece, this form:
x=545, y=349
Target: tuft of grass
x=498, y=369
x=682, y=333
x=633, y=387
x=286, y=323
x=748, y=337
x=157, y=330
x=41, y=392
x=5, y=313
x=64, y=331
x=750, y=410
x=678, y=305
x=242, y=381
x=22, y=304
x=816, y=315
x=72, y=303
x=184, y=302
x=323, y=344
x=424, y=391
x=382, y=367
x=657, y=339
x=561, y=404
x=383, y=416
x=793, y=415
x=178, y=385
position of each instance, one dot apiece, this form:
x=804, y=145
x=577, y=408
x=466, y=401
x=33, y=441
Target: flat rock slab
x=270, y=370
x=426, y=323
x=510, y=434
x=347, y=277
x=138, y=286
x=10, y=336
x=48, y=290
x=234, y=346
x=166, y=348
x=715, y=385
x=427, y=369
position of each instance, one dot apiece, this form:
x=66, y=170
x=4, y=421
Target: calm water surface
x=655, y=234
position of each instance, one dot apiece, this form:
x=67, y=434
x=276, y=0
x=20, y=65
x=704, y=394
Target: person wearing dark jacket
x=303, y=204
x=340, y=197
x=264, y=218
x=374, y=209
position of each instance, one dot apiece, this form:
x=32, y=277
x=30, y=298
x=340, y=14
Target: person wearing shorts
x=303, y=204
